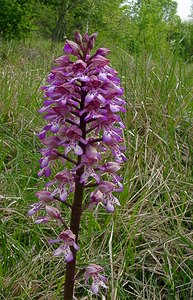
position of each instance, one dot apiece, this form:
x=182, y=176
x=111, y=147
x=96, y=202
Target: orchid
x=45, y=197
x=98, y=280
x=68, y=239
x=83, y=146
x=52, y=213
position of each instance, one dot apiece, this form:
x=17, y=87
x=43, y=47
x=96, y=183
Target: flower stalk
x=76, y=213
x=83, y=140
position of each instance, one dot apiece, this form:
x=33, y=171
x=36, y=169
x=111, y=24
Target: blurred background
x=135, y=26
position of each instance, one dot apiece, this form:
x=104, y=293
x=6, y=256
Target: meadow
x=146, y=245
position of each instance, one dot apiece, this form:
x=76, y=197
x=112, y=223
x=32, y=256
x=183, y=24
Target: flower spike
x=83, y=147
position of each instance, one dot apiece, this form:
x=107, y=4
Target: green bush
x=16, y=18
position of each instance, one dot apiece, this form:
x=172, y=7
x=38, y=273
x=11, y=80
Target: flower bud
x=78, y=38
x=86, y=37
x=71, y=47
x=102, y=51
x=92, y=40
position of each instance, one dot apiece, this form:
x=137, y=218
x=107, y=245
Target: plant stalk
x=74, y=226
x=76, y=214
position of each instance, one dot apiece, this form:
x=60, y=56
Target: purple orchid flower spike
x=83, y=146
x=67, y=238
x=93, y=271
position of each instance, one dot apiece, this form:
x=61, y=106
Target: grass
x=146, y=246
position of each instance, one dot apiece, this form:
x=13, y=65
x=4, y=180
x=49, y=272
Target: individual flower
x=49, y=155
x=71, y=48
x=52, y=213
x=89, y=159
x=93, y=271
x=45, y=197
x=70, y=138
x=65, y=184
x=96, y=197
x=67, y=238
x=103, y=194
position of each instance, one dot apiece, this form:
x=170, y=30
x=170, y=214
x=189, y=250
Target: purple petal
x=68, y=256
x=78, y=150
x=59, y=251
x=35, y=207
x=42, y=135
x=71, y=48
x=55, y=241
x=95, y=288
x=47, y=172
x=63, y=194
x=44, y=162
x=42, y=219
x=102, y=51
x=107, y=137
x=64, y=250
x=76, y=247
x=109, y=207
x=55, y=128
x=89, y=97
x=114, y=108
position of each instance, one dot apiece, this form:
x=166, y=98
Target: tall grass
x=146, y=246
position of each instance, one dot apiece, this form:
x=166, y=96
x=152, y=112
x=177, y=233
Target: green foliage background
x=135, y=26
